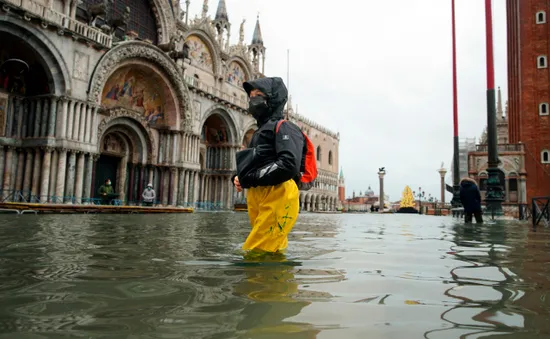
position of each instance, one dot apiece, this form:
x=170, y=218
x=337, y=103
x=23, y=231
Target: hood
x=276, y=92
x=468, y=182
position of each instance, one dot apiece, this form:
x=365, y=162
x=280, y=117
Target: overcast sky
x=379, y=72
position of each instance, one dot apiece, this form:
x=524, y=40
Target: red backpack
x=308, y=168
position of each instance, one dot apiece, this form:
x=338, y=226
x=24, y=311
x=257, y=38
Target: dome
x=369, y=192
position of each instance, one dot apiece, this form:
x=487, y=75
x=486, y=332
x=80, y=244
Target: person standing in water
x=105, y=192
x=471, y=200
x=270, y=168
x=149, y=195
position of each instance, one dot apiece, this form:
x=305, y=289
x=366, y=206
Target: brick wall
x=528, y=87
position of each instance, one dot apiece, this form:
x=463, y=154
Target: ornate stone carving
x=140, y=50
x=124, y=113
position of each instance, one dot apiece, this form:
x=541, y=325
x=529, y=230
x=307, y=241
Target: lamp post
x=495, y=193
x=455, y=202
x=421, y=194
x=381, y=174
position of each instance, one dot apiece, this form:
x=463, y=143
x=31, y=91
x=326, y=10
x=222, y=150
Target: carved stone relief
x=81, y=66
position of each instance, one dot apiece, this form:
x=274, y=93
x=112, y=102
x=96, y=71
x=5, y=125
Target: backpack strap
x=279, y=123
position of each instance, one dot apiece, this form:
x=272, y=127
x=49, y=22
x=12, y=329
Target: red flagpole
x=455, y=202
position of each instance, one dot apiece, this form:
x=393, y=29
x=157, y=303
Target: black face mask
x=258, y=107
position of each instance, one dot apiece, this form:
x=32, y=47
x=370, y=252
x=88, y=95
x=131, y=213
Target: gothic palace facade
x=92, y=89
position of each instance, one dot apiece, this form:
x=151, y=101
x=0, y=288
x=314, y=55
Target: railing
x=198, y=84
x=540, y=210
x=501, y=148
x=34, y=8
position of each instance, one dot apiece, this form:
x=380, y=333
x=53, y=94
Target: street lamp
x=495, y=194
x=455, y=202
x=421, y=194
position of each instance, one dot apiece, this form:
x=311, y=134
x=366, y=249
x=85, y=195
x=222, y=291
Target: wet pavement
x=343, y=276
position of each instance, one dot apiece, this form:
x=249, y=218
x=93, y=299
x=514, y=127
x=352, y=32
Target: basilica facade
x=136, y=92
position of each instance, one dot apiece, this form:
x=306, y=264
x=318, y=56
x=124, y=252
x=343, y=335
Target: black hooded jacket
x=470, y=195
x=271, y=158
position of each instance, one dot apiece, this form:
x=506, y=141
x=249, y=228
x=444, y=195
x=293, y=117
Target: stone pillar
x=70, y=119
x=53, y=175
x=175, y=148
x=27, y=180
x=52, y=117
x=131, y=188
x=45, y=114
x=76, y=127
x=88, y=125
x=35, y=188
x=151, y=176
x=45, y=176
x=8, y=170
x=506, y=190
x=20, y=170
x=381, y=175
x=79, y=179
x=182, y=147
x=161, y=148
x=195, y=187
x=21, y=113
x=2, y=168
x=186, y=186
x=61, y=117
x=37, y=118
x=175, y=186
x=122, y=179
x=61, y=175
x=442, y=172
x=70, y=184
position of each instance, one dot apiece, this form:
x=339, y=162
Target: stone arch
x=51, y=59
x=228, y=120
x=243, y=64
x=134, y=124
x=164, y=17
x=212, y=47
x=135, y=51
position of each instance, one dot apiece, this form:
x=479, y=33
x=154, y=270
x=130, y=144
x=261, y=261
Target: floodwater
x=344, y=276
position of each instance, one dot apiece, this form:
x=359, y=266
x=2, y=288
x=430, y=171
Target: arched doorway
x=124, y=149
x=30, y=79
x=217, y=160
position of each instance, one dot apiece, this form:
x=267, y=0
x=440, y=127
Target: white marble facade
x=127, y=107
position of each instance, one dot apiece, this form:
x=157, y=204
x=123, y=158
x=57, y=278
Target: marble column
x=45, y=176
x=61, y=117
x=8, y=170
x=186, y=186
x=53, y=175
x=151, y=175
x=35, y=188
x=20, y=171
x=175, y=186
x=37, y=118
x=27, y=180
x=69, y=183
x=61, y=175
x=122, y=178
x=161, y=148
x=70, y=119
x=52, y=117
x=174, y=148
x=79, y=178
x=195, y=186
x=44, y=119
x=77, y=114
x=2, y=162
x=88, y=133
x=182, y=146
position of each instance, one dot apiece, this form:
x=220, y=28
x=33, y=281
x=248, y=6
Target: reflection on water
x=343, y=276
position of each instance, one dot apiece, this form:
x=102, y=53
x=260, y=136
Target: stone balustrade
x=52, y=17
x=216, y=92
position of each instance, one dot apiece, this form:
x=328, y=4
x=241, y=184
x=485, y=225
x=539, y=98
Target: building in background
x=529, y=89
x=134, y=91
x=512, y=160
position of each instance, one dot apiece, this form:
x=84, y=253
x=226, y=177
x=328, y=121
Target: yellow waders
x=272, y=211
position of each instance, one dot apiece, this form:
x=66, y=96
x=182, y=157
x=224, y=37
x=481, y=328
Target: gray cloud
x=379, y=72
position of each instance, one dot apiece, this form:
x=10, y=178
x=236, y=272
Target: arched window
x=545, y=156
x=318, y=153
x=330, y=157
x=541, y=17
x=543, y=108
x=541, y=62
